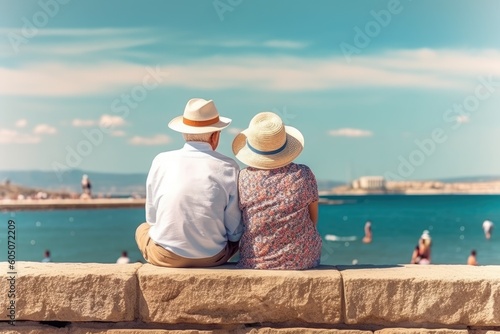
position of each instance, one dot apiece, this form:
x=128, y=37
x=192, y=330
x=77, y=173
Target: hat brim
x=177, y=125
x=294, y=146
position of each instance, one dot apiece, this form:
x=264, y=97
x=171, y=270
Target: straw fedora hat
x=268, y=143
x=200, y=116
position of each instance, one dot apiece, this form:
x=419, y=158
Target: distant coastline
x=68, y=204
x=419, y=188
x=44, y=185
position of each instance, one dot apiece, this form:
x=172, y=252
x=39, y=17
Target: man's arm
x=150, y=208
x=232, y=212
x=232, y=219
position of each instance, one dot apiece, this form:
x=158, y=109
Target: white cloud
x=79, y=48
x=8, y=136
x=79, y=32
x=422, y=69
x=21, y=123
x=150, y=141
x=349, y=132
x=82, y=123
x=110, y=121
x=106, y=121
x=78, y=42
x=44, y=129
x=58, y=79
x=247, y=43
x=284, y=44
x=297, y=74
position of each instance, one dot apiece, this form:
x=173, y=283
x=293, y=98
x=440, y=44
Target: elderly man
x=192, y=213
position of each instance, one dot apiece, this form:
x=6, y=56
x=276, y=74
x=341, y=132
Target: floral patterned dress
x=278, y=231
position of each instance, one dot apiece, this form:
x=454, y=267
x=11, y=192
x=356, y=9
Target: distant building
x=369, y=183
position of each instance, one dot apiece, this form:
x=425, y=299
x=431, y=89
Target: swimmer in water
x=368, y=233
x=487, y=228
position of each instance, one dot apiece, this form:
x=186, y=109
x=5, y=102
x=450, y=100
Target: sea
x=454, y=223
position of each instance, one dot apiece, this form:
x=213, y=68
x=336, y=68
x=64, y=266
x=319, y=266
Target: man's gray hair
x=204, y=137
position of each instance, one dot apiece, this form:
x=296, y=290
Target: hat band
x=190, y=122
x=253, y=149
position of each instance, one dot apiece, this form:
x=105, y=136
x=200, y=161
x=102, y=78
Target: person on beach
x=86, y=187
x=46, y=256
x=422, y=252
x=278, y=198
x=368, y=233
x=192, y=214
x=123, y=259
x=472, y=259
x=488, y=229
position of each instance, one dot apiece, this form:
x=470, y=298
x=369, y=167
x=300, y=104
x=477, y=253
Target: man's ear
x=214, y=139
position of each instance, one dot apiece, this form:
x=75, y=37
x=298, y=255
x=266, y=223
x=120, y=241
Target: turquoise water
x=454, y=222
x=397, y=222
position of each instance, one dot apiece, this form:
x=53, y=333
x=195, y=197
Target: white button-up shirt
x=192, y=201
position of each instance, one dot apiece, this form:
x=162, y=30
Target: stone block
x=143, y=328
x=226, y=295
x=416, y=294
x=83, y=330
x=302, y=330
x=73, y=292
x=421, y=331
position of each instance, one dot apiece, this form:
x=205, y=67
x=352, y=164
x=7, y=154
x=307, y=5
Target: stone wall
x=135, y=298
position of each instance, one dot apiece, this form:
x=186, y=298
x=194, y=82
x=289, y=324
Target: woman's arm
x=313, y=212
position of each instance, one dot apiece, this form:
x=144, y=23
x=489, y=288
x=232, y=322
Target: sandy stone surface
x=145, y=299
x=140, y=328
x=258, y=330
x=230, y=296
x=300, y=330
x=73, y=292
x=84, y=330
x=421, y=331
x=413, y=294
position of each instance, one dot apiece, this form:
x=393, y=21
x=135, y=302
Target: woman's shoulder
x=296, y=167
x=302, y=169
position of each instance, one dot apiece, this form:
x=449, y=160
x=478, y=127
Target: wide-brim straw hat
x=200, y=116
x=268, y=143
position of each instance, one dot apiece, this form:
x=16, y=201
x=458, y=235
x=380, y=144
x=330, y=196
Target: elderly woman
x=278, y=198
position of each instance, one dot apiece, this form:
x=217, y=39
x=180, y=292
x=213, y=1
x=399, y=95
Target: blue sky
x=406, y=89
